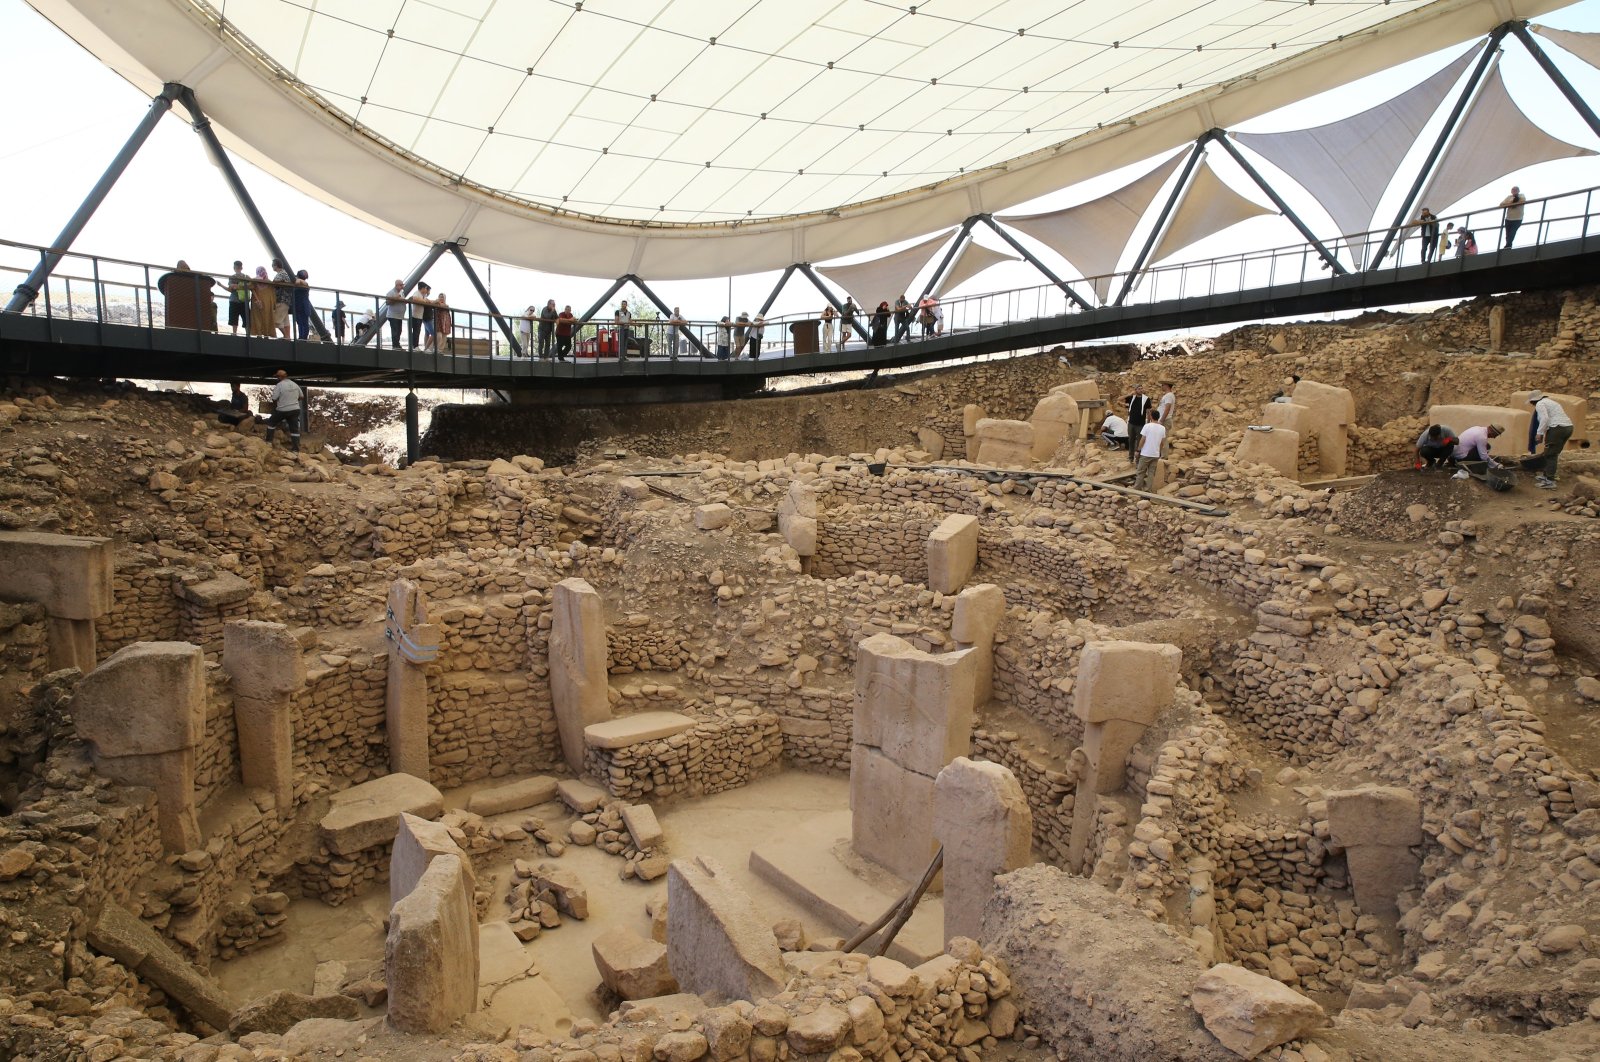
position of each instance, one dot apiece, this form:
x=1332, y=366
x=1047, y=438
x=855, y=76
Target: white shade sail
x=1208, y=207
x=1092, y=235
x=1495, y=139
x=1585, y=46
x=884, y=279
x=1347, y=165
x=974, y=259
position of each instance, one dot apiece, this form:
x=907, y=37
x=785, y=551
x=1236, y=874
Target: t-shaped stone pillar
x=981, y=817
x=430, y=963
x=913, y=715
x=413, y=644
x=71, y=577
x=1121, y=688
x=1377, y=825
x=1054, y=420
x=977, y=614
x=952, y=553
x=264, y=661
x=578, y=683
x=143, y=711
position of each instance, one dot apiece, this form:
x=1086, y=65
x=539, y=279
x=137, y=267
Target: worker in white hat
x=1553, y=427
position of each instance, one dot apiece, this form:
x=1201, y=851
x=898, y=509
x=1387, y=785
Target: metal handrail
x=111, y=290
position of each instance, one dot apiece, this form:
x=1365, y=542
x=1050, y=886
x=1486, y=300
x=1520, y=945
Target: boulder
x=632, y=966
x=278, y=1012
x=526, y=793
x=1249, y=1012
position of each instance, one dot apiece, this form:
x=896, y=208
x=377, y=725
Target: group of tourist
x=1441, y=447
x=424, y=317
x=270, y=305
x=1436, y=243
x=926, y=312
x=1148, y=445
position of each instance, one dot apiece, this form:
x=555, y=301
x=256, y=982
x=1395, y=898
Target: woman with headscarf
x=263, y=298
x=880, y=325
x=443, y=325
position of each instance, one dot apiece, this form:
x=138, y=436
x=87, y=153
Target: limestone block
x=513, y=796
x=932, y=442
x=578, y=685
x=1078, y=390
x=642, y=825
x=1374, y=815
x=1132, y=681
x=981, y=817
x=1249, y=1012
x=1286, y=415
x=417, y=842
x=718, y=945
x=1331, y=412
x=278, y=1012
x=1379, y=873
x=952, y=553
x=70, y=575
x=978, y=612
x=1004, y=443
x=710, y=517
x=636, y=729
x=580, y=796
x=430, y=963
x=797, y=518
x=1515, y=419
x=223, y=588
x=915, y=707
x=125, y=937
x=266, y=667
x=1054, y=420
x=1576, y=406
x=633, y=488
x=970, y=416
x=262, y=658
x=1279, y=448
x=632, y=966
x=144, y=699
x=891, y=821
x=368, y=815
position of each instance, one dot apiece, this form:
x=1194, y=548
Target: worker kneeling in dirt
x=1474, y=444
x=1436, y=446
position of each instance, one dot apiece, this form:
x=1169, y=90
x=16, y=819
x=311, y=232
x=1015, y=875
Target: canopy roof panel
x=703, y=137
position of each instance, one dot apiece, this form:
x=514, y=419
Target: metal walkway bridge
x=99, y=317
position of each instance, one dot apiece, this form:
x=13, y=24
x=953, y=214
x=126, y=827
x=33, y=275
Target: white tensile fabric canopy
x=974, y=259
x=1494, y=139
x=695, y=138
x=884, y=279
x=1093, y=235
x=1208, y=207
x=1585, y=46
x=1347, y=165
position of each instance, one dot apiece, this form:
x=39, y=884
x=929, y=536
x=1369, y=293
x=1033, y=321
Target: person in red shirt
x=566, y=323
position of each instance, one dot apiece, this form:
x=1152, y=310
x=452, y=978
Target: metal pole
x=1468, y=93
x=416, y=274
x=1033, y=260
x=28, y=290
x=600, y=303
x=772, y=298
x=811, y=275
x=219, y=158
x=1166, y=214
x=1221, y=137
x=488, y=300
x=1520, y=30
x=949, y=256
x=413, y=436
x=694, y=340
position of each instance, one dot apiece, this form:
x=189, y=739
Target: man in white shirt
x=1552, y=427
x=1167, y=404
x=285, y=409
x=1151, y=439
x=623, y=319
x=1513, y=205
x=1473, y=444
x=1114, y=430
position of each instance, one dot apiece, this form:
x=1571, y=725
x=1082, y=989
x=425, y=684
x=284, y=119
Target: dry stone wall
x=728, y=747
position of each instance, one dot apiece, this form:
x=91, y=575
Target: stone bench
x=635, y=729
x=357, y=833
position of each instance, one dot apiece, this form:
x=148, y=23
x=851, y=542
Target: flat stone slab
x=514, y=796
x=642, y=824
x=846, y=896
x=368, y=815
x=580, y=796
x=633, y=729
x=501, y=956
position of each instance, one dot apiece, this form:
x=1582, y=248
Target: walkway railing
x=115, y=292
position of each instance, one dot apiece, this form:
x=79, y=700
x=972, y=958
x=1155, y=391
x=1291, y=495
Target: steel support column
x=788, y=271
x=1171, y=204
x=419, y=271
x=949, y=256
x=1221, y=137
x=488, y=301
x=1579, y=104
x=1468, y=93
x=666, y=315
x=855, y=322
x=28, y=290
x=413, y=434
x=600, y=303
x=1033, y=260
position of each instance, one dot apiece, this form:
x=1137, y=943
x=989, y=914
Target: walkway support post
x=413, y=434
x=1033, y=260
x=1221, y=137
x=1468, y=93
x=949, y=256
x=28, y=290
x=488, y=300
x=418, y=271
x=666, y=315
x=1160, y=226
x=1579, y=104
x=856, y=325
